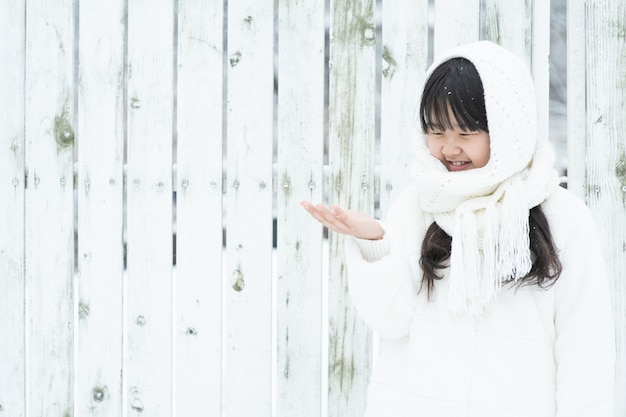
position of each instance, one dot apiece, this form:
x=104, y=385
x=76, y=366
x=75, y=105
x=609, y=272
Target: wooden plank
x=523, y=27
x=12, y=295
x=300, y=177
x=100, y=187
x=198, y=328
x=541, y=64
x=148, y=367
x=510, y=24
x=606, y=155
x=404, y=63
x=248, y=307
x=49, y=229
x=351, y=117
x=456, y=22
x=576, y=88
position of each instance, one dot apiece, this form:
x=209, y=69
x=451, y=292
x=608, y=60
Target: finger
x=322, y=215
x=343, y=216
x=307, y=205
x=331, y=219
x=326, y=217
x=338, y=211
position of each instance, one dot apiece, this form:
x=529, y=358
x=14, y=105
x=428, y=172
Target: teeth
x=457, y=163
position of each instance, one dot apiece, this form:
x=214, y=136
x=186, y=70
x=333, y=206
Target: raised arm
x=380, y=274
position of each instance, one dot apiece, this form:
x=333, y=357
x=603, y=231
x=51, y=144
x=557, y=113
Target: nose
x=450, y=147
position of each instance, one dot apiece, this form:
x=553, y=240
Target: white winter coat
x=536, y=353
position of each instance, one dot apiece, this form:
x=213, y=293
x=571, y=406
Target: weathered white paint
x=541, y=63
x=198, y=283
x=509, y=23
x=248, y=298
x=456, y=22
x=49, y=232
x=147, y=369
x=404, y=62
x=168, y=343
x=12, y=318
x=100, y=209
x=299, y=177
x=351, y=117
x=605, y=183
x=576, y=90
x=100, y=187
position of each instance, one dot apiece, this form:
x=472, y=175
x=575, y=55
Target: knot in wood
x=235, y=58
x=137, y=405
x=135, y=103
x=63, y=131
x=98, y=394
x=238, y=283
x=83, y=309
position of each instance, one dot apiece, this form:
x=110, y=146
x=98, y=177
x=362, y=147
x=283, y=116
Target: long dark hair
x=456, y=85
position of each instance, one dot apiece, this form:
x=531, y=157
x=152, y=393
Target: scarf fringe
x=479, y=265
x=513, y=241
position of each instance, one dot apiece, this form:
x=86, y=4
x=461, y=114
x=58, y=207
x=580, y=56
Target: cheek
x=433, y=148
x=482, y=152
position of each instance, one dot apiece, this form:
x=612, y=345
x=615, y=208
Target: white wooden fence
x=110, y=108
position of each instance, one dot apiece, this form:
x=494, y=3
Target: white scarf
x=485, y=210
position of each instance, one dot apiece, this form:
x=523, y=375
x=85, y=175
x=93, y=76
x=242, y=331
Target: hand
x=347, y=222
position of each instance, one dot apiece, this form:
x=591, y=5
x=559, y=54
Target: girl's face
x=457, y=149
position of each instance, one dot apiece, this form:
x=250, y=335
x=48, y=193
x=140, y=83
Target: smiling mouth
x=457, y=165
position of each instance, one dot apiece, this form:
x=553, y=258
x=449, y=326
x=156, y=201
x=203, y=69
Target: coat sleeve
x=585, y=334
x=380, y=277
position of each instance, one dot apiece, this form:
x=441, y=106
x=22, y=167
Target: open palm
x=348, y=222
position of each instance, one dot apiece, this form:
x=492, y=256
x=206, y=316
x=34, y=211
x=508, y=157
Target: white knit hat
x=485, y=210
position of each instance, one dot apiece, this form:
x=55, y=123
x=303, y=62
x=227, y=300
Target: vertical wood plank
x=404, y=63
x=540, y=67
x=523, y=27
x=148, y=368
x=12, y=295
x=49, y=230
x=100, y=186
x=300, y=177
x=510, y=24
x=248, y=309
x=351, y=158
x=576, y=107
x=198, y=328
x=606, y=155
x=456, y=22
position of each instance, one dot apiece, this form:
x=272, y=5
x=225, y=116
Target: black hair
x=546, y=267
x=454, y=85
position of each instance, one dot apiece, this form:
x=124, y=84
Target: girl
x=486, y=283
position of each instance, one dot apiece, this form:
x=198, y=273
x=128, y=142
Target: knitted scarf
x=486, y=210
